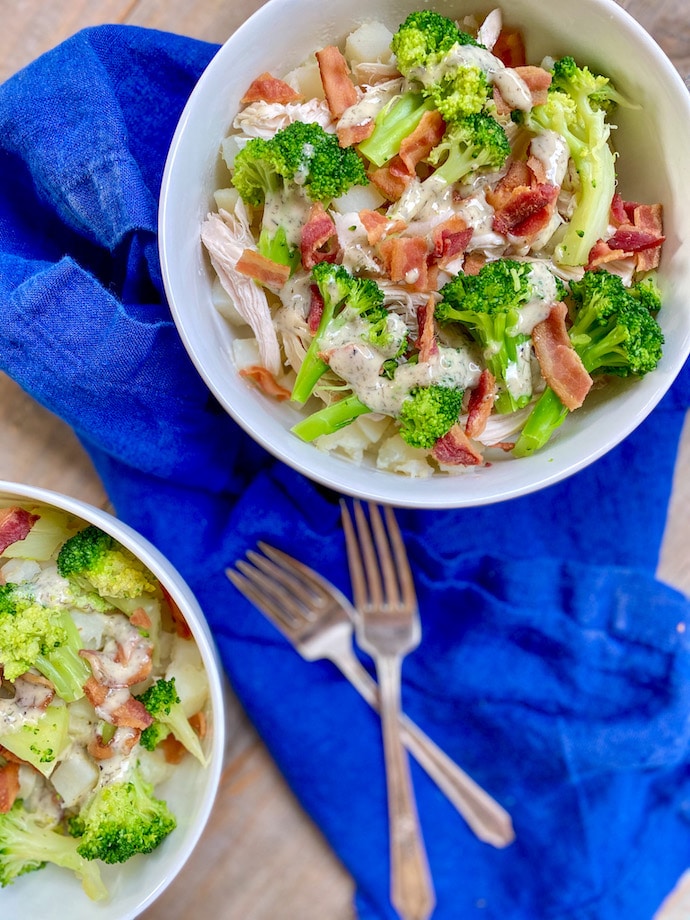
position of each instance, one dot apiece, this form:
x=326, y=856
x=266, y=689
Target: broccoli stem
x=393, y=124
x=330, y=419
x=597, y=172
x=64, y=667
x=548, y=414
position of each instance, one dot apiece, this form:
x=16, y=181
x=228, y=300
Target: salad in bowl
x=423, y=245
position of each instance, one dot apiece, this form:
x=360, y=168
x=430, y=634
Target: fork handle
x=489, y=821
x=412, y=892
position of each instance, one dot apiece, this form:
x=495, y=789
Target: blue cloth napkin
x=554, y=667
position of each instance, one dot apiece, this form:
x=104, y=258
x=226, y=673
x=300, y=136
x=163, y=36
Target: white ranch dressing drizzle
x=538, y=308
x=551, y=149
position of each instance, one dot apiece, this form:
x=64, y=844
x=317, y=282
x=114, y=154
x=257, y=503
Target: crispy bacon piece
x=474, y=262
x=639, y=232
x=560, y=364
x=601, y=253
x=173, y=750
x=267, y=88
x=456, y=449
x=649, y=218
x=262, y=269
x=318, y=231
x=450, y=239
x=338, y=88
x=527, y=211
x=510, y=48
x=517, y=176
x=405, y=258
x=419, y=144
x=349, y=135
x=315, y=309
x=378, y=225
x=129, y=666
x=122, y=742
x=265, y=381
x=392, y=179
x=481, y=403
x=198, y=723
x=536, y=79
x=9, y=786
x=15, y=525
x=132, y=714
x=95, y=693
x=426, y=341
x=140, y=619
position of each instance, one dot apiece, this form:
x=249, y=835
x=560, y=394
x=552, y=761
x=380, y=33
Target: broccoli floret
x=346, y=299
x=428, y=413
x=96, y=561
x=44, y=638
x=647, y=292
x=27, y=844
x=331, y=418
x=613, y=332
x=393, y=124
x=424, y=38
x=121, y=820
x=163, y=703
x=489, y=305
x=471, y=143
x=575, y=109
x=300, y=162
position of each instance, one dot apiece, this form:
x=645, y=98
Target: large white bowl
x=53, y=893
x=653, y=141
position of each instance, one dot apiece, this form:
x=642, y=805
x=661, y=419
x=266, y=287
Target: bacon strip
x=9, y=786
x=481, y=403
x=338, y=88
x=649, y=218
x=392, y=179
x=15, y=525
x=456, y=449
x=132, y=714
x=474, y=262
x=427, y=344
x=316, y=306
x=451, y=239
x=601, y=253
x=265, y=381
x=260, y=268
x=349, y=135
x=527, y=211
x=510, y=48
x=405, y=258
x=316, y=233
x=267, y=88
x=140, y=619
x=419, y=144
x=537, y=81
x=378, y=225
x=560, y=364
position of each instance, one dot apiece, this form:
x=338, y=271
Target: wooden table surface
x=261, y=858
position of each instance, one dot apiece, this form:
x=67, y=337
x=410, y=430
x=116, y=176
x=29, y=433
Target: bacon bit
x=122, y=742
x=527, y=211
x=267, y=88
x=15, y=525
x=601, y=253
x=517, y=176
x=173, y=750
x=505, y=446
x=405, y=258
x=349, y=135
x=639, y=233
x=630, y=239
x=450, y=239
x=99, y=750
x=199, y=724
x=419, y=144
x=140, y=619
x=538, y=169
x=315, y=309
x=338, y=88
x=378, y=225
x=9, y=786
x=480, y=405
x=474, y=262
x=128, y=667
x=262, y=269
x=132, y=714
x=390, y=179
x=619, y=214
x=537, y=81
x=95, y=693
x=456, y=449
x=181, y=626
x=426, y=342
x=265, y=381
x=510, y=48
x=649, y=218
x=560, y=364
x=316, y=233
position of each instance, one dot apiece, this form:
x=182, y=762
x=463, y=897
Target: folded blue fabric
x=554, y=667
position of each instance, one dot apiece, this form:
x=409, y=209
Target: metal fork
x=317, y=619
x=388, y=628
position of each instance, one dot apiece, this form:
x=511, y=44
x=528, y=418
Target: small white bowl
x=653, y=143
x=53, y=893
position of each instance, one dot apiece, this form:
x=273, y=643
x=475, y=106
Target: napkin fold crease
x=554, y=666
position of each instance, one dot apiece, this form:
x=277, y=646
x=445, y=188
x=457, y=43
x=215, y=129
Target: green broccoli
x=331, y=418
x=163, y=703
x=428, y=413
x=300, y=163
x=94, y=560
x=346, y=300
x=613, y=332
x=44, y=638
x=489, y=305
x=393, y=123
x=28, y=843
x=575, y=108
x=423, y=37
x=121, y=820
